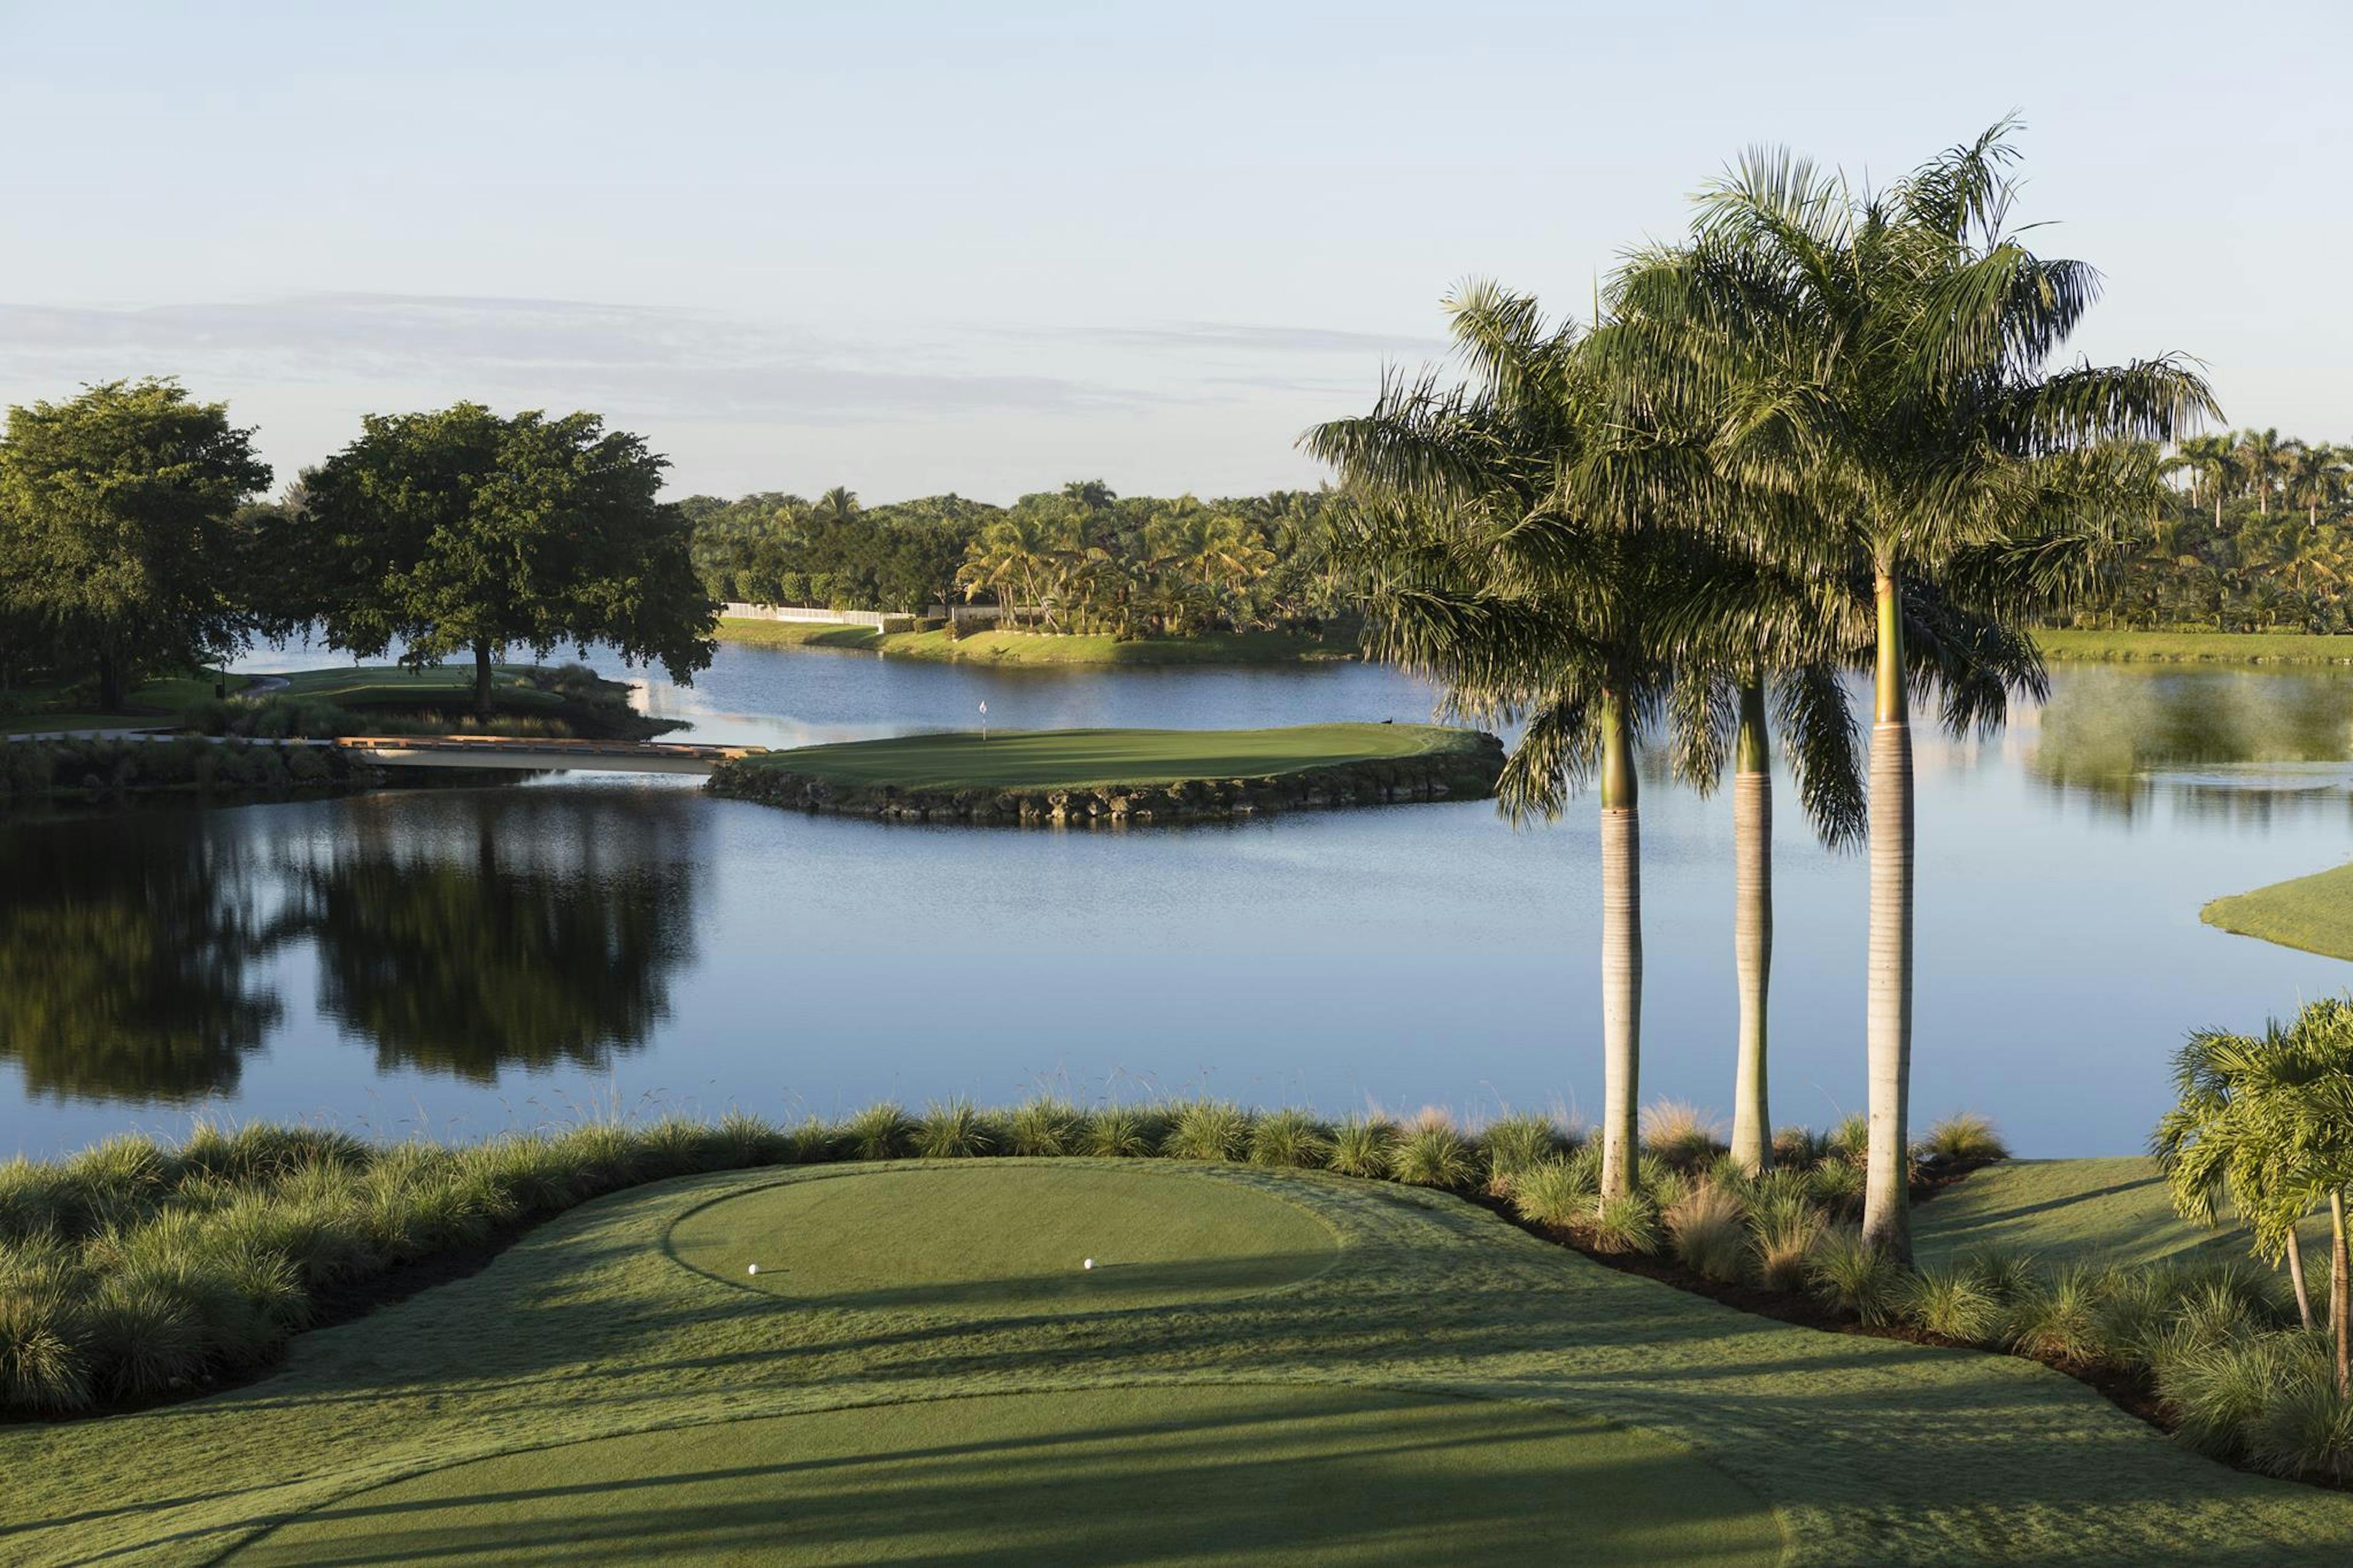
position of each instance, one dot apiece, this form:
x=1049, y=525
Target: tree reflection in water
x=2251, y=745
x=470, y=932
x=126, y=951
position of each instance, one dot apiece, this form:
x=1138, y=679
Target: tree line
x=1080, y=559
x=1823, y=432
x=134, y=541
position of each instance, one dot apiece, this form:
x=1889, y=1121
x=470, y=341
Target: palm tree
x=1883, y=358
x=2316, y=473
x=2207, y=459
x=2262, y=457
x=1494, y=570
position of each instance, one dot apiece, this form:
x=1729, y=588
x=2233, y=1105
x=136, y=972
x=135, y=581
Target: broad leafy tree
x=117, y=547
x=462, y=530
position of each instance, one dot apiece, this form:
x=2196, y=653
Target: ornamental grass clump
x=1681, y=1135
x=880, y=1131
x=1207, y=1130
x=1120, y=1133
x=2058, y=1319
x=1290, y=1139
x=2306, y=1426
x=2005, y=1273
x=1556, y=1192
x=1785, y=1227
x=1433, y=1154
x=1513, y=1144
x=1963, y=1136
x=2216, y=1390
x=1626, y=1225
x=1046, y=1127
x=1362, y=1146
x=1951, y=1302
x=955, y=1129
x=1850, y=1275
x=1710, y=1230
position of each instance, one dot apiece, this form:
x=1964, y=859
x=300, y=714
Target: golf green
x=1005, y=1237
x=1190, y=1475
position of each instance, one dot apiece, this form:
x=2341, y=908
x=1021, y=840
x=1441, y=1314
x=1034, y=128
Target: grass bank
x=2314, y=913
x=614, y=1386
x=2062, y=646
x=156, y=703
x=1121, y=774
x=1052, y=647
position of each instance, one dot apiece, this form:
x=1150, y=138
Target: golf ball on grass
x=1089, y=1263
x=754, y=1269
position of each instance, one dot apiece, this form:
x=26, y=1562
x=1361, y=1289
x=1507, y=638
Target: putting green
x=1192, y=1475
x=1007, y=1238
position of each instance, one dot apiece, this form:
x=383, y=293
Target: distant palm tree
x=1883, y=358
x=2262, y=459
x=2208, y=461
x=2316, y=476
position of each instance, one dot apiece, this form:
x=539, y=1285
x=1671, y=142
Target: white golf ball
x=754, y=1269
x=1088, y=1264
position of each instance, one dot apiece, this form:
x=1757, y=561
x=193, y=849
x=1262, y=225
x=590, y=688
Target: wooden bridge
x=536, y=755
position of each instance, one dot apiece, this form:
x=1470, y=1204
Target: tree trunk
x=109, y=683
x=2341, y=1295
x=1886, y=1217
x=2295, y=1278
x=1752, y=928
x=1621, y=953
x=482, y=681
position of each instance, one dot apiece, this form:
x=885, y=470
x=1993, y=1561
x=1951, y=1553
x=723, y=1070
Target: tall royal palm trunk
x=2340, y=1294
x=1887, y=1218
x=1752, y=927
x=1622, y=950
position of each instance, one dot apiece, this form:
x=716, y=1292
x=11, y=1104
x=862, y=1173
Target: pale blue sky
x=920, y=247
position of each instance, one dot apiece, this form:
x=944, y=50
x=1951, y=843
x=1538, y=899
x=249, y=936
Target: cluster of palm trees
x=2258, y=534
x=1824, y=433
x=2267, y=1124
x=1069, y=561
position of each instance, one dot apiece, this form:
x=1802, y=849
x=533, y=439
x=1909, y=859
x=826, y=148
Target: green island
x=858, y=1342
x=2092, y=647
x=1121, y=775
x=2314, y=913
x=1035, y=648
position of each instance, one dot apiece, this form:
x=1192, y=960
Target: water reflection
x=2235, y=745
x=467, y=932
x=127, y=957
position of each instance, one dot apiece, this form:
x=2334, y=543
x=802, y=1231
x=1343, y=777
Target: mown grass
x=2313, y=913
x=1049, y=647
x=1867, y=1451
x=2193, y=648
x=1082, y=759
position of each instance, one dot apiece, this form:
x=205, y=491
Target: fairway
x=1198, y=1474
x=1005, y=1238
x=1076, y=759
x=2314, y=913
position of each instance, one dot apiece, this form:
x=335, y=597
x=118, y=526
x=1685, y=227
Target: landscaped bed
x=1122, y=775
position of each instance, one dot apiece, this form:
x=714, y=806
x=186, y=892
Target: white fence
x=880, y=620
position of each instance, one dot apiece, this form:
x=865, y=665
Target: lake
x=461, y=960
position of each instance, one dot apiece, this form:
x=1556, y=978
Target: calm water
x=464, y=961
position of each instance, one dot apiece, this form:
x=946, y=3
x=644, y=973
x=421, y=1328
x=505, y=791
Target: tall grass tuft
x=1948, y=1300
x=1120, y=1133
x=1046, y=1127
x=1850, y=1275
x=1626, y=1225
x=1682, y=1135
x=2305, y=1428
x=1555, y=1192
x=1836, y=1184
x=1513, y=1144
x=1786, y=1229
x=2058, y=1319
x=1710, y=1230
x=2218, y=1389
x=1433, y=1154
x=1208, y=1129
x=1850, y=1140
x=1964, y=1135
x=1362, y=1146
x=2005, y=1273
x=955, y=1129
x=880, y=1131
x=1798, y=1148
x=1294, y=1139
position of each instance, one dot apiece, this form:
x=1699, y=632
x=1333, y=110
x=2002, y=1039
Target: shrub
x=1513, y=1144
x=880, y=1131
x=1555, y=1191
x=1291, y=1137
x=1710, y=1230
x=955, y=1129
x=1630, y=1224
x=1120, y=1133
x=1208, y=1129
x=2218, y=1389
x=1362, y=1146
x=1953, y=1303
x=1680, y=1135
x=1046, y=1127
x=1433, y=1154
x=1964, y=1135
x=1850, y=1275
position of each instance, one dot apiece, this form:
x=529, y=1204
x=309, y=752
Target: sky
x=987, y=247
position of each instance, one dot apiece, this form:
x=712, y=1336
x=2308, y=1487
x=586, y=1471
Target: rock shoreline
x=1464, y=772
